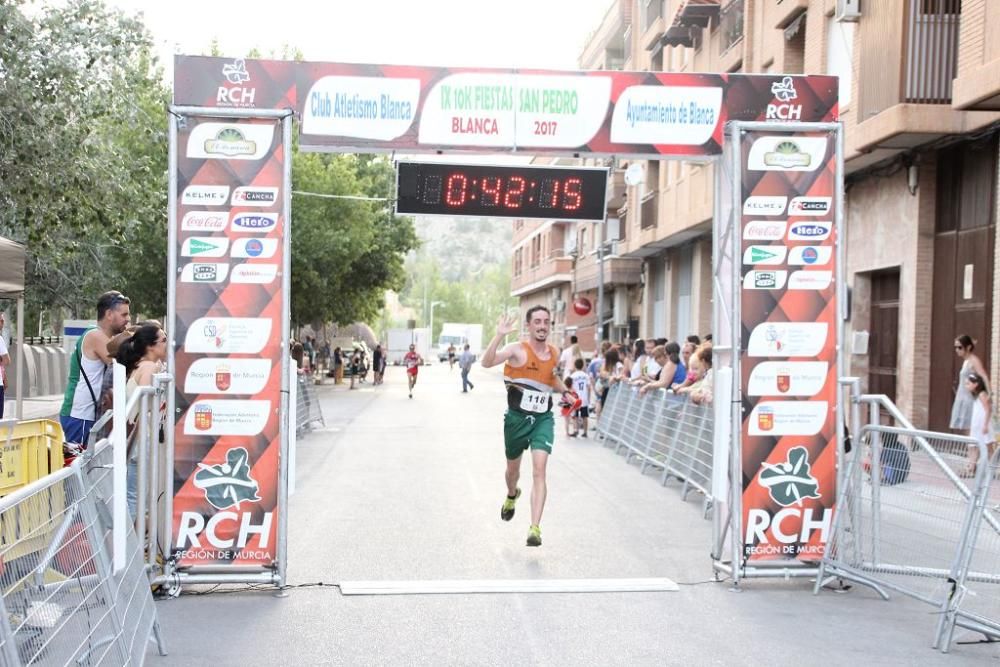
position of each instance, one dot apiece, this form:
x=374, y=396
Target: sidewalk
x=404, y=490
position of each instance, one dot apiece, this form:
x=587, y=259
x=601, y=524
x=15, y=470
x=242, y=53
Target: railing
x=916, y=515
x=932, y=51
x=62, y=603
x=731, y=25
x=666, y=432
x=307, y=408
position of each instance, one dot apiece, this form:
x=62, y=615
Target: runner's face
x=539, y=325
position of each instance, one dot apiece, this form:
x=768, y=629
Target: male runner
x=412, y=361
x=530, y=377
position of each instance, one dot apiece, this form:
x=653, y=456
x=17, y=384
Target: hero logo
x=254, y=222
x=784, y=91
x=818, y=231
x=809, y=206
x=789, y=484
x=236, y=95
x=765, y=230
x=251, y=196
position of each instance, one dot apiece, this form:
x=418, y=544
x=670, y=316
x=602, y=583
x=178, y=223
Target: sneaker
x=534, y=537
x=507, y=509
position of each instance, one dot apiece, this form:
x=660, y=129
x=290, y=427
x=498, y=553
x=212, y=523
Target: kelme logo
x=790, y=483
x=228, y=484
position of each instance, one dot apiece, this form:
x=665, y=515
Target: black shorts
x=583, y=412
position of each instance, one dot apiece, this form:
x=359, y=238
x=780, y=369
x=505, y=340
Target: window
x=840, y=56
x=795, y=46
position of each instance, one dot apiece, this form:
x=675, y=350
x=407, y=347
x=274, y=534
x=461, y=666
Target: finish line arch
x=777, y=263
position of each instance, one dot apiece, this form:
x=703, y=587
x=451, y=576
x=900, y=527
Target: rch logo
x=236, y=74
x=790, y=483
x=228, y=484
x=784, y=91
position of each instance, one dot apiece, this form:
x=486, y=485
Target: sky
x=470, y=33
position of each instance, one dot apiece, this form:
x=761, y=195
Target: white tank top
x=83, y=402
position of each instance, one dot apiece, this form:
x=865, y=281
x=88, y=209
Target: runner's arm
x=492, y=357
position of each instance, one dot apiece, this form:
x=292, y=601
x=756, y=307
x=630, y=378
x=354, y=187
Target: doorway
x=884, y=326
x=963, y=266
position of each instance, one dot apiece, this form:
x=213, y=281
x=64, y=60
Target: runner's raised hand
x=506, y=324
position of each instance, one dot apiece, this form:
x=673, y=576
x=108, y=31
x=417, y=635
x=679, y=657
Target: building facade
x=919, y=99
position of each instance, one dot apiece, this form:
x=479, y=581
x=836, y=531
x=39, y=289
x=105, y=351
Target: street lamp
x=434, y=303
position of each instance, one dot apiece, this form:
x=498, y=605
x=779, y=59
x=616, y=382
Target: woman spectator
x=638, y=368
x=611, y=373
x=961, y=409
x=668, y=357
x=142, y=354
x=338, y=366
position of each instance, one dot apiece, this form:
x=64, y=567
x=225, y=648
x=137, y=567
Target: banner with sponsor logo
x=229, y=227
x=356, y=107
x=789, y=347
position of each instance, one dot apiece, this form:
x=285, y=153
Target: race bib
x=534, y=401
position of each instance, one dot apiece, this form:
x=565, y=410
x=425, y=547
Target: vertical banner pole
x=736, y=396
x=286, y=298
x=119, y=507
x=843, y=313
x=168, y=464
x=598, y=333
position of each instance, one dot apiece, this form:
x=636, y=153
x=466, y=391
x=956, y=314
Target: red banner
x=789, y=358
x=230, y=226
x=365, y=108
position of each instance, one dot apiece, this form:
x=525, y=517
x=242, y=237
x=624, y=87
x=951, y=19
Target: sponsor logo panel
x=781, y=418
x=764, y=279
x=255, y=274
x=204, y=221
x=255, y=196
x=253, y=247
x=227, y=417
x=782, y=153
x=788, y=378
x=764, y=205
x=204, y=246
x=810, y=280
x=787, y=339
x=809, y=206
x=230, y=141
x=236, y=94
x=810, y=255
x=765, y=230
x=254, y=222
x=205, y=195
x=204, y=272
x=809, y=231
x=227, y=376
x=228, y=335
x=764, y=254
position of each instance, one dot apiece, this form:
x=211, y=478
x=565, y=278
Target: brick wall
x=972, y=36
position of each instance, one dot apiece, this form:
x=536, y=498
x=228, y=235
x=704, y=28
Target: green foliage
x=83, y=177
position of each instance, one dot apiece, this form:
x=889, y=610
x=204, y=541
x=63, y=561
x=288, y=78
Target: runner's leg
x=512, y=475
x=539, y=459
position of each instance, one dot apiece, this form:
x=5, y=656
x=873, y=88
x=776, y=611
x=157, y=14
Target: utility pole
x=600, y=284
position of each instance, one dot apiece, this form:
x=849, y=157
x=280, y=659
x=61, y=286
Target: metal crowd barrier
x=308, y=410
x=61, y=601
x=918, y=516
x=665, y=431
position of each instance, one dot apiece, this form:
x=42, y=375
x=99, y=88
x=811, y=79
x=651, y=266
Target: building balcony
x=977, y=87
x=648, y=211
x=690, y=17
x=616, y=189
x=550, y=272
x=731, y=26
x=617, y=271
x=652, y=23
x=782, y=15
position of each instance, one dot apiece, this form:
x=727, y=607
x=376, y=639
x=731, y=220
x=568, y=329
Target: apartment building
x=919, y=96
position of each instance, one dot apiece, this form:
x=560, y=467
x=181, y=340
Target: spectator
x=961, y=408
x=584, y=388
x=568, y=356
x=668, y=357
x=4, y=361
x=338, y=366
x=298, y=355
x=693, y=338
x=377, y=356
x=611, y=373
x=355, y=369
x=701, y=391
x=309, y=354
x=465, y=364
x=570, y=403
x=142, y=353
x=638, y=369
x=87, y=365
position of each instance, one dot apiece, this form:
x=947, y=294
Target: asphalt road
x=399, y=489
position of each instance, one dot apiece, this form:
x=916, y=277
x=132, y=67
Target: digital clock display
x=553, y=193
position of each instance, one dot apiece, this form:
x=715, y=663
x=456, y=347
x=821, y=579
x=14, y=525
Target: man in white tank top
x=87, y=365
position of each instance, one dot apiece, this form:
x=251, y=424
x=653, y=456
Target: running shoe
x=507, y=509
x=534, y=537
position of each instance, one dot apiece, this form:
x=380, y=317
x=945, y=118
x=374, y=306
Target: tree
x=80, y=165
